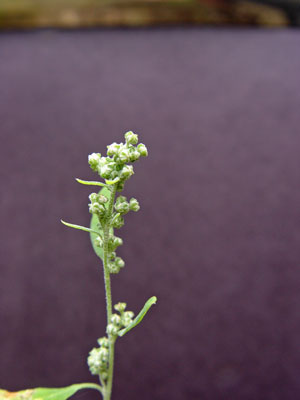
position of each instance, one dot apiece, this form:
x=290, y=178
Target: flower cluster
x=97, y=204
x=122, y=207
x=114, y=263
x=115, y=165
x=98, y=358
x=115, y=170
x=119, y=321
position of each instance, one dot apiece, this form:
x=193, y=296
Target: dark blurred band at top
x=26, y=14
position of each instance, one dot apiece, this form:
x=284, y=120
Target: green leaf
x=96, y=227
x=82, y=228
x=140, y=316
x=108, y=182
x=47, y=393
x=90, y=183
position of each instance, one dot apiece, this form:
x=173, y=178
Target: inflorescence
x=114, y=169
x=98, y=356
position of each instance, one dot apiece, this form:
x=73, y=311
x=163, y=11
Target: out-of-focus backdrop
x=91, y=13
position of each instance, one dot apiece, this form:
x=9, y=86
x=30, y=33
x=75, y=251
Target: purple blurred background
x=217, y=238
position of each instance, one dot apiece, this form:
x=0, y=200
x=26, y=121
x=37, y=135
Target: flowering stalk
x=107, y=214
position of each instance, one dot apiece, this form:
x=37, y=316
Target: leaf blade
x=90, y=183
x=149, y=303
x=81, y=228
x=48, y=393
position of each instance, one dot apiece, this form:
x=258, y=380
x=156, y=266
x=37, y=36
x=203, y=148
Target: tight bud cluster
x=97, y=204
x=122, y=206
x=115, y=169
x=119, y=321
x=119, y=155
x=98, y=358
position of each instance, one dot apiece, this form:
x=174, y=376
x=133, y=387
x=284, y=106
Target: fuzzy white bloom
x=112, y=149
x=94, y=160
x=131, y=138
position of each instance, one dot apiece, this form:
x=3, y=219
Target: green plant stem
x=108, y=386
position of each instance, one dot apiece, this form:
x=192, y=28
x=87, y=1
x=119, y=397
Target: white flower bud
x=121, y=199
x=111, y=330
x=93, y=197
x=127, y=318
x=112, y=255
x=119, y=262
x=115, y=319
x=103, y=342
x=122, y=208
x=142, y=149
x=96, y=208
x=117, y=241
x=118, y=222
x=105, y=171
x=134, y=204
x=124, y=155
x=113, y=268
x=131, y=138
x=112, y=149
x=103, y=354
x=102, y=199
x=134, y=155
x=97, y=360
x=120, y=307
x=94, y=160
x=126, y=172
x=128, y=314
x=126, y=321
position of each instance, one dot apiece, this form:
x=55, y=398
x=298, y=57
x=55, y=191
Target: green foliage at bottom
x=47, y=393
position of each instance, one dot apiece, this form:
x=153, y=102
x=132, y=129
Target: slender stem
x=106, y=231
x=108, y=387
x=107, y=274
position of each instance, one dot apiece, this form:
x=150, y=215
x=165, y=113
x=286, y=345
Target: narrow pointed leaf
x=82, y=228
x=47, y=393
x=90, y=183
x=140, y=316
x=108, y=182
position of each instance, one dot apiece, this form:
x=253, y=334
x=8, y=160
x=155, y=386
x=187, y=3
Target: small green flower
x=118, y=222
x=119, y=262
x=134, y=204
x=122, y=208
x=142, y=149
x=134, y=155
x=112, y=149
x=94, y=160
x=96, y=208
x=103, y=342
x=131, y=138
x=97, y=360
x=120, y=307
x=126, y=172
x=115, y=320
x=124, y=155
x=112, y=330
